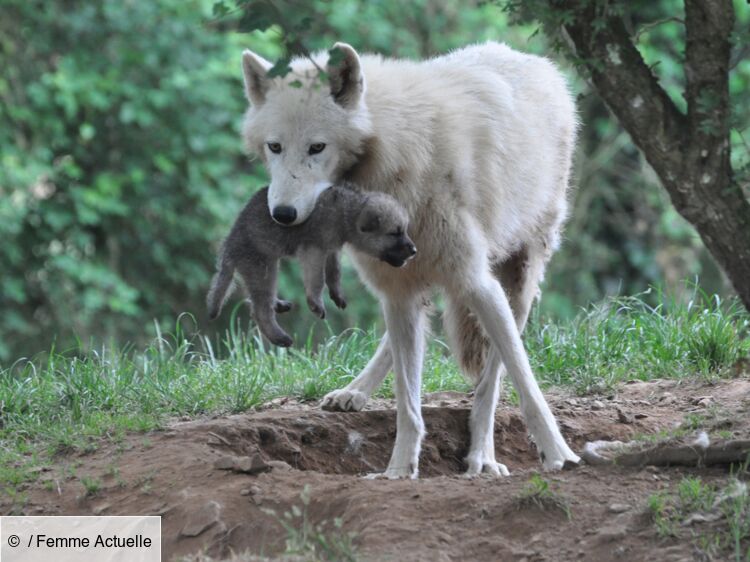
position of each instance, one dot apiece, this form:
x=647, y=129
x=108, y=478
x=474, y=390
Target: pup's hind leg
x=313, y=261
x=260, y=282
x=333, y=279
x=355, y=395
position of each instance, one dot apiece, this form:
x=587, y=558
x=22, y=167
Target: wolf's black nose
x=412, y=250
x=284, y=214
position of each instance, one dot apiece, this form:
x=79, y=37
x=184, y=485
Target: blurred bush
x=121, y=165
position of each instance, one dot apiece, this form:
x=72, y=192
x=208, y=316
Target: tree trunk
x=690, y=153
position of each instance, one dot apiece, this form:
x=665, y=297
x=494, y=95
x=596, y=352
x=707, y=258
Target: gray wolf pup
x=374, y=223
x=477, y=146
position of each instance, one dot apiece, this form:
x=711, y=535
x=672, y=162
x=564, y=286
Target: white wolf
x=477, y=146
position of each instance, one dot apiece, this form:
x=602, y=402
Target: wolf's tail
x=467, y=339
x=221, y=287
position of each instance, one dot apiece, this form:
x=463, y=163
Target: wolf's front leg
x=313, y=261
x=405, y=320
x=333, y=280
x=354, y=396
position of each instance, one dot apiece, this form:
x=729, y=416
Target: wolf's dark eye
x=274, y=147
x=316, y=148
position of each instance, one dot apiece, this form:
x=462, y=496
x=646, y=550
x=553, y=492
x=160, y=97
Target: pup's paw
x=281, y=340
x=317, y=307
x=339, y=300
x=281, y=306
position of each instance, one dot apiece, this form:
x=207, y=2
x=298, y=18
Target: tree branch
x=628, y=87
x=690, y=153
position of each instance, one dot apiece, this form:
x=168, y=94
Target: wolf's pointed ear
x=345, y=76
x=255, y=70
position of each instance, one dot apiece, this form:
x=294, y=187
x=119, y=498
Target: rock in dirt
x=612, y=532
x=201, y=520
x=619, y=508
x=279, y=465
x=625, y=417
x=597, y=405
x=225, y=463
x=245, y=465
x=99, y=509
x=251, y=465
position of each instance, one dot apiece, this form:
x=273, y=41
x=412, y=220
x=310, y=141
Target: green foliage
x=626, y=338
x=61, y=402
x=314, y=541
x=537, y=492
x=702, y=502
x=119, y=162
x=91, y=486
x=121, y=165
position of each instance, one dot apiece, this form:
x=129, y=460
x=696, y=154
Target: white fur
x=477, y=146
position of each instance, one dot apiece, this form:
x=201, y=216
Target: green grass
x=538, y=493
x=314, y=541
x=625, y=338
x=727, y=510
x=65, y=401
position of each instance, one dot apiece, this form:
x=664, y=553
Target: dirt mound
x=214, y=480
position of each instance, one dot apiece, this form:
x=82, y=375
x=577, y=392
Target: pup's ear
x=345, y=76
x=255, y=70
x=368, y=221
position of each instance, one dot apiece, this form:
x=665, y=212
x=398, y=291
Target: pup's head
x=381, y=230
x=307, y=128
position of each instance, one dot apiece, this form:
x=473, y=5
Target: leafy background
x=121, y=165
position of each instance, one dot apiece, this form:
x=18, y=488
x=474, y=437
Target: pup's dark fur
x=374, y=223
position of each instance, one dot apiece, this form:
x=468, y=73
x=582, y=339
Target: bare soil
x=441, y=516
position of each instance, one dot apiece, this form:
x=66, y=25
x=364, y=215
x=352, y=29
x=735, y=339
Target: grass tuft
x=538, y=493
x=716, y=519
x=314, y=541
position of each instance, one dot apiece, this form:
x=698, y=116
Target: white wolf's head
x=307, y=130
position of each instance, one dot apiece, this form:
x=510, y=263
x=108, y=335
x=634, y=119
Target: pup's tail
x=221, y=287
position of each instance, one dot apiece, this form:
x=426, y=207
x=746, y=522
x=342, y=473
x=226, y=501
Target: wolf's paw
x=561, y=457
x=408, y=472
x=344, y=400
x=480, y=465
x=317, y=307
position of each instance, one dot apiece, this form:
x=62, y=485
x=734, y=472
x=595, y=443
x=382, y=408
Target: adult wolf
x=477, y=146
